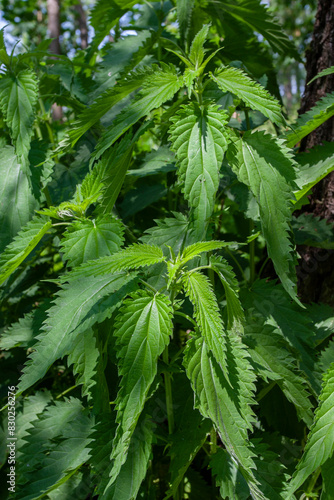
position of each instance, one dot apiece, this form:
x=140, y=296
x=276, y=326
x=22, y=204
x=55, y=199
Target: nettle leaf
x=160, y=161
x=227, y=406
x=269, y=472
x=117, y=161
x=259, y=19
x=271, y=302
x=257, y=97
x=184, y=10
x=196, y=249
x=22, y=245
x=320, y=442
x=134, y=469
x=190, y=432
x=312, y=119
x=199, y=290
x=79, y=305
x=84, y=355
x=265, y=165
x=274, y=362
x=103, y=104
x=24, y=331
x=197, y=52
x=328, y=479
x=313, y=166
x=118, y=58
x=132, y=257
x=142, y=329
x=156, y=90
x=58, y=460
x=169, y=232
x=235, y=313
x=324, y=72
x=17, y=202
x=90, y=239
x=313, y=231
x=200, y=140
x=18, y=97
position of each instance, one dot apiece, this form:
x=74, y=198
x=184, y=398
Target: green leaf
x=134, y=469
x=79, y=305
x=313, y=231
x=84, y=355
x=24, y=332
x=169, y=232
x=269, y=473
x=265, y=165
x=22, y=245
x=60, y=460
x=156, y=162
x=235, y=313
x=313, y=166
x=17, y=202
x=200, y=140
x=123, y=53
x=90, y=239
x=257, y=97
x=274, y=362
x=33, y=405
x=227, y=407
x=271, y=302
x=18, y=97
x=199, y=290
x=320, y=442
x=156, y=90
x=324, y=72
x=184, y=10
x=256, y=15
x=132, y=257
x=141, y=197
x=190, y=432
x=197, y=52
x=327, y=479
x=312, y=119
x=103, y=104
x=142, y=328
x=117, y=161
x=196, y=249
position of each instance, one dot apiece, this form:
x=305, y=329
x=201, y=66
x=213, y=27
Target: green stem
x=213, y=441
x=237, y=263
x=247, y=119
x=65, y=392
x=178, y=313
x=251, y=256
x=313, y=481
x=168, y=390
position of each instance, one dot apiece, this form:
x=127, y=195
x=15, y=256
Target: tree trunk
x=82, y=21
x=53, y=9
x=316, y=270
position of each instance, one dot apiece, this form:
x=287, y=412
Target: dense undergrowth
x=155, y=351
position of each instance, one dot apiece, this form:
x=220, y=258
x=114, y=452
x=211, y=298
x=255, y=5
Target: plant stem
x=313, y=481
x=251, y=256
x=213, y=440
x=168, y=390
x=65, y=392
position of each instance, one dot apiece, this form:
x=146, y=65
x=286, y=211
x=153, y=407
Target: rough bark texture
x=53, y=9
x=82, y=22
x=316, y=271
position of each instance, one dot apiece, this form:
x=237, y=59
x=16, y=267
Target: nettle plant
x=191, y=376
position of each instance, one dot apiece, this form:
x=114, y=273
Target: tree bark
x=53, y=10
x=82, y=21
x=316, y=270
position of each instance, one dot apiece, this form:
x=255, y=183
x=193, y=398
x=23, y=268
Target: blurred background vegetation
x=29, y=23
